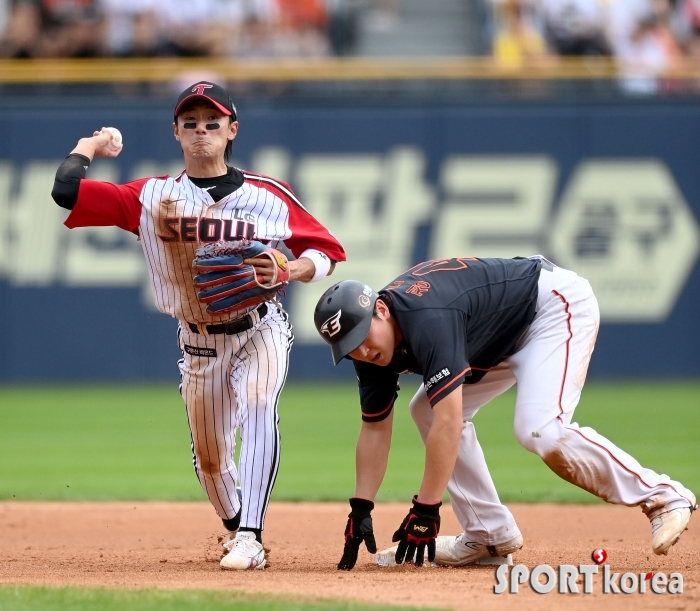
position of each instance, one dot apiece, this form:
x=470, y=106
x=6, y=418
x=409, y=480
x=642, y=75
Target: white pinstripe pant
x=237, y=389
x=549, y=368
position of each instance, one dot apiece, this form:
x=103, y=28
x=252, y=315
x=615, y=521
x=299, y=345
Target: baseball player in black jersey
x=473, y=328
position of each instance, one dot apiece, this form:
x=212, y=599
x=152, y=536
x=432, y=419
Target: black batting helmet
x=343, y=316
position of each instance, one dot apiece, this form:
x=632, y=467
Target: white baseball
x=116, y=143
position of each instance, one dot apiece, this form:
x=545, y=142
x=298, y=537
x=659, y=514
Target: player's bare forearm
x=96, y=146
x=441, y=447
x=372, y=457
x=302, y=269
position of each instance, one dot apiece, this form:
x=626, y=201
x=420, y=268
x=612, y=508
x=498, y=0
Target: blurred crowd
x=153, y=28
x=642, y=35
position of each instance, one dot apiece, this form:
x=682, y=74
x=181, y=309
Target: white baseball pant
x=237, y=389
x=549, y=368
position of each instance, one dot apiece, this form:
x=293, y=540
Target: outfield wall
x=611, y=191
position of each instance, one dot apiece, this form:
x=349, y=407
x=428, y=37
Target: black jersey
x=458, y=318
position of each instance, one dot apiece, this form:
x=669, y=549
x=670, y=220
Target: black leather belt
x=235, y=326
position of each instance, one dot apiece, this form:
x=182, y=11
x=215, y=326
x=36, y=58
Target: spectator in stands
x=342, y=25
x=4, y=12
x=575, y=27
x=185, y=26
x=20, y=31
x=623, y=17
x=301, y=29
x=131, y=28
x=53, y=28
x=517, y=43
x=284, y=28
x=650, y=53
x=689, y=17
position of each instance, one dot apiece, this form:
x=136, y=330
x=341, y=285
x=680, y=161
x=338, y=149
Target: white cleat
x=246, y=553
x=226, y=540
x=458, y=551
x=667, y=527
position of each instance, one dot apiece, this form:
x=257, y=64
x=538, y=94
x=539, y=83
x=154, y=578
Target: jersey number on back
x=440, y=265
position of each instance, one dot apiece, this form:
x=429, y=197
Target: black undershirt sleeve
x=67, y=182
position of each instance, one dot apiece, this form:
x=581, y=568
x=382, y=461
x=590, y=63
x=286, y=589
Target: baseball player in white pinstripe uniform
x=234, y=365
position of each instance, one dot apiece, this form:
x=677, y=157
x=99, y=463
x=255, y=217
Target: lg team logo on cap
x=332, y=325
x=199, y=89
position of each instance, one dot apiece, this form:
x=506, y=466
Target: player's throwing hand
x=105, y=143
x=358, y=529
x=418, y=530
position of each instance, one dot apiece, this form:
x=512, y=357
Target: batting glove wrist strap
x=360, y=507
x=417, y=532
x=358, y=529
x=425, y=510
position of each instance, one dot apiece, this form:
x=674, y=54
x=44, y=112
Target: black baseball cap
x=343, y=316
x=211, y=92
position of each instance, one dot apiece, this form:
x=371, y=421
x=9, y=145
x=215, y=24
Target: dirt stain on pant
x=578, y=471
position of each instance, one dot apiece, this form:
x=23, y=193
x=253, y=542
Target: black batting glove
x=358, y=529
x=418, y=530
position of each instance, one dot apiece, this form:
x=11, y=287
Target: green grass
x=132, y=442
x=23, y=598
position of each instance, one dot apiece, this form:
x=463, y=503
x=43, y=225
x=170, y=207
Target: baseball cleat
x=226, y=540
x=385, y=558
x=458, y=551
x=667, y=527
x=227, y=537
x=246, y=553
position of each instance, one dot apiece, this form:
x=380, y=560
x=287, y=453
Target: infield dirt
x=174, y=545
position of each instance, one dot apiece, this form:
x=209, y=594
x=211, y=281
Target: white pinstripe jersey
x=173, y=217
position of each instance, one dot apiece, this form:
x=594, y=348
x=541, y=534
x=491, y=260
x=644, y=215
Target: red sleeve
x=307, y=232
x=103, y=204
